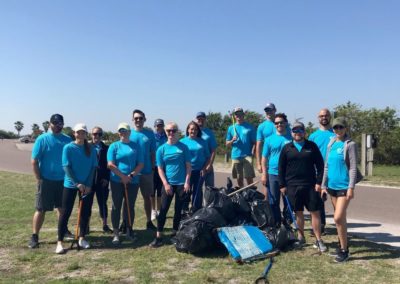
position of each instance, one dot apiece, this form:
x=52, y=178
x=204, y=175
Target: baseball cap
x=124, y=125
x=339, y=121
x=56, y=118
x=237, y=109
x=200, y=114
x=298, y=124
x=80, y=126
x=158, y=121
x=269, y=107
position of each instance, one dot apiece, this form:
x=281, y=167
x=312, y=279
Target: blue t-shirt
x=47, y=150
x=208, y=135
x=160, y=139
x=246, y=134
x=338, y=174
x=272, y=148
x=298, y=145
x=126, y=156
x=147, y=143
x=265, y=129
x=322, y=138
x=81, y=165
x=173, y=159
x=199, y=151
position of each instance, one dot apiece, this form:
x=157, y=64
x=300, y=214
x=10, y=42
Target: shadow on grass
x=373, y=250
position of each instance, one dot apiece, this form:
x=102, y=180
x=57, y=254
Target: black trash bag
x=281, y=237
x=252, y=194
x=198, y=234
x=261, y=213
x=241, y=206
x=214, y=198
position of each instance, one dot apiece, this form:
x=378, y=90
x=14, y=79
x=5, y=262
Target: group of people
x=163, y=165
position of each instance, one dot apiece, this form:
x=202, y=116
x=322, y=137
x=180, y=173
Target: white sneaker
x=153, y=215
x=84, y=244
x=116, y=240
x=60, y=249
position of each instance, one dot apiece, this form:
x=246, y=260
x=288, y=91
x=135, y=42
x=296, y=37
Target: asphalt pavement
x=373, y=214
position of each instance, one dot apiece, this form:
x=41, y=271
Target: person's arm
x=282, y=169
x=352, y=168
x=71, y=176
x=36, y=170
x=186, y=187
x=259, y=146
x=125, y=179
x=167, y=186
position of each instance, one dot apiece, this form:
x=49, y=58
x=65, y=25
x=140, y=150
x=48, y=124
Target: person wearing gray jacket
x=339, y=179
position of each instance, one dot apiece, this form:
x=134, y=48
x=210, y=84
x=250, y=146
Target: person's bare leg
x=37, y=221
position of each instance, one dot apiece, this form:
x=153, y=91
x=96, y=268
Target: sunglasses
x=122, y=131
x=97, y=134
x=336, y=127
x=268, y=109
x=298, y=130
x=58, y=123
x=279, y=123
x=138, y=118
x=171, y=130
x=321, y=116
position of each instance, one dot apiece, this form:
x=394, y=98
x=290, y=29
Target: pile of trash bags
x=222, y=207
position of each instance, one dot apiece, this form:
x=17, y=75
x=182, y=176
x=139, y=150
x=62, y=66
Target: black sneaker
x=157, y=242
x=122, y=228
x=337, y=252
x=342, y=256
x=107, y=229
x=34, y=242
x=150, y=226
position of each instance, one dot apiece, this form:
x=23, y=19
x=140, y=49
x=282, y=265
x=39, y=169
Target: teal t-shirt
x=173, y=159
x=126, y=156
x=242, y=147
x=208, y=135
x=272, y=148
x=265, y=129
x=160, y=139
x=322, y=138
x=199, y=151
x=48, y=150
x=298, y=145
x=338, y=174
x=147, y=144
x=81, y=165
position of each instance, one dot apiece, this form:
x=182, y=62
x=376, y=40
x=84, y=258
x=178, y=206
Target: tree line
x=383, y=123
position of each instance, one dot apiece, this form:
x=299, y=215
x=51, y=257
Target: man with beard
x=321, y=137
x=49, y=174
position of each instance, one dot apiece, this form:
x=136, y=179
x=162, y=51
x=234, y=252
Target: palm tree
x=46, y=125
x=19, y=125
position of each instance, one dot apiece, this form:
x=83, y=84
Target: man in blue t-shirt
x=208, y=135
x=241, y=136
x=321, y=137
x=48, y=171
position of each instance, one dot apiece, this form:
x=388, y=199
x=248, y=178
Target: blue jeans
x=274, y=197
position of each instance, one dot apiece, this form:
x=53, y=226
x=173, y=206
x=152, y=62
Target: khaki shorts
x=146, y=184
x=243, y=168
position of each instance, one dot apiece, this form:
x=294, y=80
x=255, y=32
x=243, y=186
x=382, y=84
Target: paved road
x=373, y=213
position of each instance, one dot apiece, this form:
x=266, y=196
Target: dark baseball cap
x=56, y=118
x=298, y=124
x=158, y=121
x=339, y=121
x=200, y=114
x=269, y=107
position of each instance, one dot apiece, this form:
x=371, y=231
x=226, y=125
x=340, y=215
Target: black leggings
x=180, y=197
x=102, y=193
x=68, y=200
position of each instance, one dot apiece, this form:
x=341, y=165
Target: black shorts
x=337, y=192
x=304, y=195
x=49, y=195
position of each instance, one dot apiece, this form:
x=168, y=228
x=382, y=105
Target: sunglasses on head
x=97, y=134
x=171, y=130
x=338, y=127
x=138, y=118
x=298, y=130
x=279, y=122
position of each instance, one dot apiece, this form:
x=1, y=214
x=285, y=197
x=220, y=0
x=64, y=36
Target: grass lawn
x=387, y=175
x=137, y=263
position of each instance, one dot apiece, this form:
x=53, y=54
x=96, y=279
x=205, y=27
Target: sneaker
x=131, y=236
x=116, y=240
x=337, y=251
x=153, y=215
x=69, y=236
x=157, y=242
x=60, y=249
x=83, y=244
x=342, y=256
x=300, y=241
x=150, y=226
x=107, y=229
x=122, y=228
x=34, y=242
x=319, y=244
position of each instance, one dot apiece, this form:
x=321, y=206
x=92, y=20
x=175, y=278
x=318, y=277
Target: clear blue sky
x=96, y=61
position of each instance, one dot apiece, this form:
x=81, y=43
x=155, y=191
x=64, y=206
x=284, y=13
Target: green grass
x=370, y=262
x=386, y=175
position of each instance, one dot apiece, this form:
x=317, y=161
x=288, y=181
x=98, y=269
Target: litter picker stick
x=292, y=214
x=78, y=223
x=233, y=122
x=243, y=188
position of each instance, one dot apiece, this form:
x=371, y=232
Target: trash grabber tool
x=233, y=122
x=78, y=222
x=243, y=188
x=128, y=211
x=263, y=277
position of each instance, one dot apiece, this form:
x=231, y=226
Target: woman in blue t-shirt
x=173, y=162
x=200, y=156
x=339, y=180
x=79, y=162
